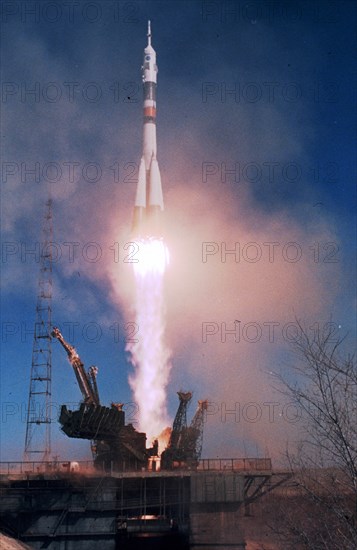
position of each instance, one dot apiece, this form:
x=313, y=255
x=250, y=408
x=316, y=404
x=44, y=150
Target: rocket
x=149, y=203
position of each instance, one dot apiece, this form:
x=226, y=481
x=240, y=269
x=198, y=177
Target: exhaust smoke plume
x=149, y=355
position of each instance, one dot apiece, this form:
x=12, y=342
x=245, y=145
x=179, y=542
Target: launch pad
x=55, y=508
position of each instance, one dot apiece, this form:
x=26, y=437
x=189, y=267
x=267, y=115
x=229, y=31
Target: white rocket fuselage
x=149, y=202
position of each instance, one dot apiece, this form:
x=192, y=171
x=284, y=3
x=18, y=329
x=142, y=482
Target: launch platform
x=73, y=505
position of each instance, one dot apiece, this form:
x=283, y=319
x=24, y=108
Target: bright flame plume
x=149, y=355
x=153, y=257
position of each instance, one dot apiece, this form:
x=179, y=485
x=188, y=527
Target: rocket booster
x=149, y=202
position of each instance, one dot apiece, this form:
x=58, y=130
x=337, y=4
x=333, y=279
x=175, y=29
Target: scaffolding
x=38, y=427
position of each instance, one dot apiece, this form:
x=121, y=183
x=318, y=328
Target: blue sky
x=289, y=132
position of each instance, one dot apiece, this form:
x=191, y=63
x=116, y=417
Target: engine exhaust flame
x=153, y=257
x=149, y=355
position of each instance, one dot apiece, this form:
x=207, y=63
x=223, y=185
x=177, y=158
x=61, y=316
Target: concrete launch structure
x=149, y=202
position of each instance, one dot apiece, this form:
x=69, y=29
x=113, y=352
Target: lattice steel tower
x=38, y=428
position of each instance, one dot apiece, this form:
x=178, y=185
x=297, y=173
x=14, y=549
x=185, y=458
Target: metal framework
x=86, y=382
x=38, y=427
x=185, y=445
x=196, y=429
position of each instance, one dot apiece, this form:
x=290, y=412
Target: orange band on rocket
x=150, y=111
